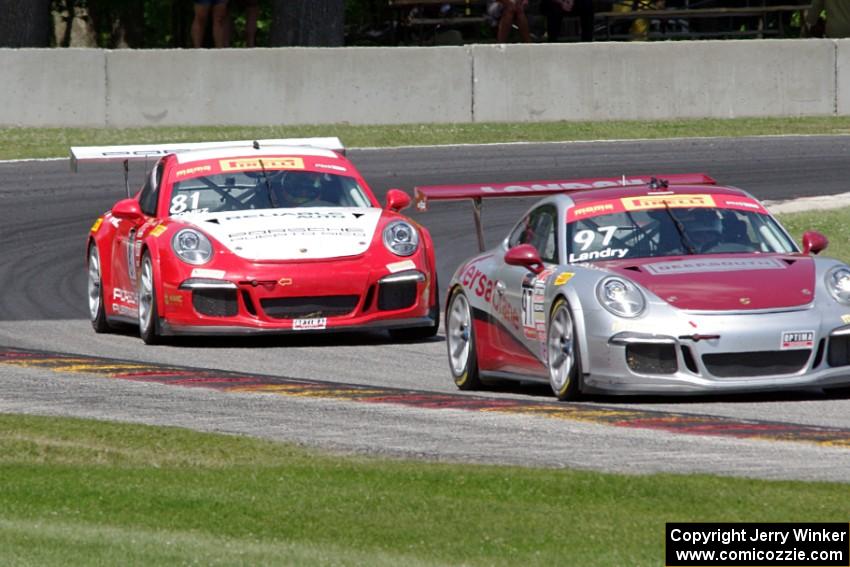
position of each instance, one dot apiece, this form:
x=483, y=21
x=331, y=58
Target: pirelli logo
x=672, y=201
x=267, y=163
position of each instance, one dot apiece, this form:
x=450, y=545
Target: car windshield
x=673, y=231
x=247, y=190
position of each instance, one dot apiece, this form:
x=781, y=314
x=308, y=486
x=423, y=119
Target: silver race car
x=669, y=284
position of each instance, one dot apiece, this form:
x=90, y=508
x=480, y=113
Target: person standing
x=203, y=10
x=513, y=11
x=837, y=17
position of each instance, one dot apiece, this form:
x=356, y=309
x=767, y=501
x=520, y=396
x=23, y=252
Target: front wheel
x=460, y=341
x=97, y=311
x=148, y=315
x=563, y=355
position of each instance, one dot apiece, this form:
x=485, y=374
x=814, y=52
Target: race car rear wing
x=144, y=152
x=476, y=192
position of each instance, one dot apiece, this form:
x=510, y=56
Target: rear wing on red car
x=476, y=192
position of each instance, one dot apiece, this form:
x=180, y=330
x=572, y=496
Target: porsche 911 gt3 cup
x=268, y=236
x=643, y=285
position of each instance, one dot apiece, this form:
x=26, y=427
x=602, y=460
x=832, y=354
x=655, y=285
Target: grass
x=80, y=492
x=19, y=143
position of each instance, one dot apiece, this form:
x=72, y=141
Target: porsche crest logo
x=284, y=281
x=745, y=300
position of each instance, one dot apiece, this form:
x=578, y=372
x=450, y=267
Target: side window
x=539, y=229
x=150, y=192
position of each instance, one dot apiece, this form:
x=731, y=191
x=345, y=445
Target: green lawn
x=54, y=142
x=93, y=493
x=834, y=223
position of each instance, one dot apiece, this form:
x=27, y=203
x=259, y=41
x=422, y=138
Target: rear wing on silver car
x=476, y=192
x=145, y=152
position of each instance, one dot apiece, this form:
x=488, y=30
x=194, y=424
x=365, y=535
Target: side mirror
x=397, y=200
x=524, y=255
x=127, y=209
x=814, y=242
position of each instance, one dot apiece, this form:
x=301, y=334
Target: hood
x=291, y=234
x=724, y=283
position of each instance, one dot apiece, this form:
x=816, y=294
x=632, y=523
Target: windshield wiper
x=681, y=229
x=272, y=198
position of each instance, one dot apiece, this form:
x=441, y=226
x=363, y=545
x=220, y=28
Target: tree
x=315, y=23
x=25, y=24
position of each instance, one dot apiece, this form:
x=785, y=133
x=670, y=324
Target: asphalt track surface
x=45, y=211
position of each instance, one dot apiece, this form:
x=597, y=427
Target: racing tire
x=149, y=324
x=460, y=342
x=562, y=354
x=97, y=310
x=421, y=333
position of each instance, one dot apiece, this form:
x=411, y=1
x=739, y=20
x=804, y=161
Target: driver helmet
x=702, y=225
x=299, y=188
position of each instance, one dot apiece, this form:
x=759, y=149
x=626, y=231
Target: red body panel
x=724, y=281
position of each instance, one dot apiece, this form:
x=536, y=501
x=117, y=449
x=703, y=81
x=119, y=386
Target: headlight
x=192, y=246
x=621, y=297
x=401, y=238
x=838, y=284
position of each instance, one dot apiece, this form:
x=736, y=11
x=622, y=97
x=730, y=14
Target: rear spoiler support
x=424, y=195
x=127, y=176
x=479, y=228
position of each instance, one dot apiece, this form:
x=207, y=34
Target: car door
x=518, y=296
x=125, y=248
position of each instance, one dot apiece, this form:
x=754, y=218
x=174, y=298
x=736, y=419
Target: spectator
x=220, y=31
x=252, y=13
x=555, y=10
x=837, y=17
x=513, y=11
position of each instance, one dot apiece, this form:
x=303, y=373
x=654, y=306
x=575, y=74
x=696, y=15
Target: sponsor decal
x=673, y=201
x=563, y=278
x=309, y=324
x=205, y=273
x=401, y=266
x=125, y=310
x=330, y=166
x=713, y=265
x=297, y=231
x=845, y=319
x=556, y=186
x=96, y=225
x=193, y=170
x=480, y=284
x=797, y=339
x=297, y=215
x=158, y=230
x=267, y=163
x=124, y=296
x=593, y=210
x=173, y=299
x=284, y=281
x=604, y=254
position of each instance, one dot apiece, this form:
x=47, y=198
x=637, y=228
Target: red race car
x=250, y=237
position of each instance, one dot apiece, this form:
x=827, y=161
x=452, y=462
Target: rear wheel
x=97, y=311
x=148, y=316
x=460, y=341
x=563, y=355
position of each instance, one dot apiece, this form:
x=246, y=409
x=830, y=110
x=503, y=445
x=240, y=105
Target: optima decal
x=309, y=324
x=797, y=339
x=261, y=163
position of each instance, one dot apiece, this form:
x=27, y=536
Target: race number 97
x=586, y=237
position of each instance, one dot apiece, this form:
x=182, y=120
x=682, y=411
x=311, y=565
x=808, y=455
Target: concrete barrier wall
x=720, y=79
x=481, y=83
x=52, y=87
x=288, y=86
x=842, y=77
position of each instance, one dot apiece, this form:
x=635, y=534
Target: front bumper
x=273, y=298
x=718, y=353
